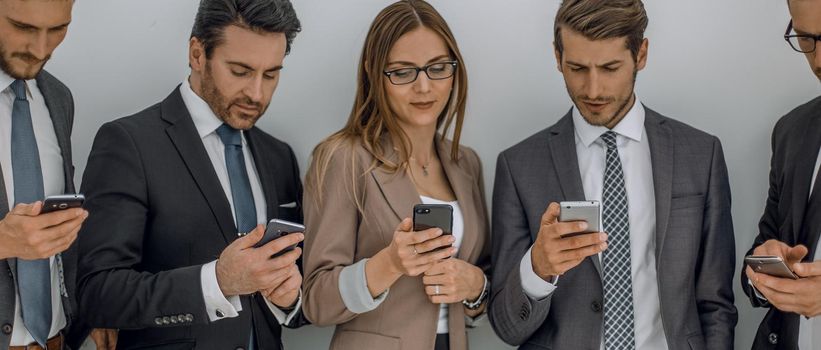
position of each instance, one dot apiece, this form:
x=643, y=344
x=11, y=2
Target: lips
x=596, y=106
x=250, y=109
x=423, y=105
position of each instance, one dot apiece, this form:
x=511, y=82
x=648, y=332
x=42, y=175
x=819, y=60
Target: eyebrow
x=28, y=25
x=406, y=63
x=243, y=65
x=610, y=63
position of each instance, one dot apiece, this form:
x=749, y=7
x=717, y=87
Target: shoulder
x=681, y=132
x=798, y=118
x=271, y=143
x=51, y=82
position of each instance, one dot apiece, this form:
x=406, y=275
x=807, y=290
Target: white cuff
x=534, y=286
x=282, y=318
x=353, y=287
x=757, y=293
x=217, y=305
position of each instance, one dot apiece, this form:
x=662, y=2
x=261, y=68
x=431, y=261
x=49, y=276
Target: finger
x=250, y=239
x=435, y=256
x=55, y=232
x=281, y=243
x=807, y=269
x=111, y=335
x=285, y=260
x=434, y=280
x=438, y=268
x=559, y=229
x=433, y=244
x=581, y=253
x=289, y=286
x=27, y=209
x=580, y=241
x=443, y=299
x=796, y=254
x=426, y=235
x=551, y=214
x=405, y=226
x=781, y=285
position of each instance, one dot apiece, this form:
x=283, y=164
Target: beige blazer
x=337, y=235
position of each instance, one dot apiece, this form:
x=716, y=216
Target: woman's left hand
x=453, y=280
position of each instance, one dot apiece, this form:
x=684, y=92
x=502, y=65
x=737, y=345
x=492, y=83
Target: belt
x=55, y=343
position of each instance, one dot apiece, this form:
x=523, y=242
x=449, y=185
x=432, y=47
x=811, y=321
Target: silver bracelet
x=473, y=305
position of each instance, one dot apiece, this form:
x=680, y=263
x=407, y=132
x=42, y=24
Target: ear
x=641, y=60
x=196, y=55
x=558, y=57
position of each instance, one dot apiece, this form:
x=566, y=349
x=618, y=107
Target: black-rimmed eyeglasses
x=804, y=43
x=434, y=71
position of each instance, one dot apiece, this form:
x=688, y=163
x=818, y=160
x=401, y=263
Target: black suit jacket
x=60, y=106
x=158, y=213
x=795, y=143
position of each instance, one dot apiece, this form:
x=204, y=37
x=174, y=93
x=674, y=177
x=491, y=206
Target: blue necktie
x=619, y=333
x=33, y=276
x=244, y=208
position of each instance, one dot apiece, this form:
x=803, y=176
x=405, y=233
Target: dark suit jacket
x=158, y=213
x=60, y=106
x=695, y=249
x=795, y=143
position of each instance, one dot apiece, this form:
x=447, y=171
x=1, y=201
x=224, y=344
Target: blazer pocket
x=689, y=201
x=364, y=340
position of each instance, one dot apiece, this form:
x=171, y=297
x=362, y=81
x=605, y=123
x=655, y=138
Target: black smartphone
x=277, y=228
x=427, y=216
x=62, y=202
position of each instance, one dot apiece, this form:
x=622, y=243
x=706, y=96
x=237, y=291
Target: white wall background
x=720, y=66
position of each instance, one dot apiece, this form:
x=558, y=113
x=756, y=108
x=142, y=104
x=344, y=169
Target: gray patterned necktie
x=617, y=281
x=33, y=276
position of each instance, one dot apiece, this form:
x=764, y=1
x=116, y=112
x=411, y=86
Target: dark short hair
x=603, y=19
x=270, y=16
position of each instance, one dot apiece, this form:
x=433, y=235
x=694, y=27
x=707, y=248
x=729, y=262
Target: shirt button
x=158, y=321
x=595, y=306
x=773, y=338
x=7, y=328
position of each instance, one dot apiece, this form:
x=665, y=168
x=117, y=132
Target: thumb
x=251, y=238
x=28, y=209
x=796, y=254
x=551, y=214
x=405, y=226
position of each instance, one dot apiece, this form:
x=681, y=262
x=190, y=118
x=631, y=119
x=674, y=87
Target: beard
x=221, y=104
x=618, y=114
x=35, y=65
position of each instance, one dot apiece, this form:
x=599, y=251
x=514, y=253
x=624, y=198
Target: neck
x=196, y=84
x=422, y=142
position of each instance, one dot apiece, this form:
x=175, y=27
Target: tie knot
x=609, y=139
x=229, y=135
x=19, y=89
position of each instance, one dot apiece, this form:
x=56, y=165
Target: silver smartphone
x=771, y=265
x=62, y=202
x=588, y=211
x=277, y=228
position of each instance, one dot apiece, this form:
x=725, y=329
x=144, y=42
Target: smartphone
x=277, y=228
x=62, y=202
x=771, y=265
x=427, y=216
x=588, y=211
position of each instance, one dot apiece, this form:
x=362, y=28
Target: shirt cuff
x=353, y=287
x=280, y=315
x=217, y=305
x=479, y=320
x=757, y=293
x=534, y=286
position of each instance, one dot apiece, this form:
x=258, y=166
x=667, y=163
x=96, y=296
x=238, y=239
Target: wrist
x=385, y=261
x=226, y=292
x=478, y=284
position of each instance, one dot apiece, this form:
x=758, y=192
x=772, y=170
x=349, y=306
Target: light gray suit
x=695, y=249
x=60, y=105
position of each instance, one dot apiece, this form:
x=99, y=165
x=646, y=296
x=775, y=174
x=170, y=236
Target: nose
x=422, y=83
x=254, y=89
x=816, y=61
x=592, y=88
x=39, y=48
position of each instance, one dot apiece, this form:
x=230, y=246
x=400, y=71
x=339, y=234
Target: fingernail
x=451, y=239
x=582, y=225
x=603, y=236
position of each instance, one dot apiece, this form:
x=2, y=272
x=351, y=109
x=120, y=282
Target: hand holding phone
x=62, y=202
x=561, y=246
x=770, y=265
x=427, y=216
x=277, y=228
x=587, y=211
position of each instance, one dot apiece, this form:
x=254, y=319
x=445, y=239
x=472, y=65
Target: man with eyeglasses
x=791, y=223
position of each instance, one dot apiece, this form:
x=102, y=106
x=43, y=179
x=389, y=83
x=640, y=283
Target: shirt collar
x=630, y=127
x=6, y=80
x=204, y=118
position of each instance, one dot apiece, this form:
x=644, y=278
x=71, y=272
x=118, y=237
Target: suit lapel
x=660, y=138
x=183, y=134
x=802, y=175
x=397, y=188
x=265, y=166
x=562, y=142
x=61, y=119
x=463, y=185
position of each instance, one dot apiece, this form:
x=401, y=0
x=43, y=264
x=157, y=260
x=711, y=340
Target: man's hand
x=286, y=294
x=553, y=255
x=801, y=296
x=104, y=339
x=243, y=269
x=25, y=234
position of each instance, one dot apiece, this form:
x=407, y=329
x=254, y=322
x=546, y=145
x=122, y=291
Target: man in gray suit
x=668, y=250
x=38, y=262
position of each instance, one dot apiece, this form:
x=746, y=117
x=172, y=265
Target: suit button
x=166, y=320
x=174, y=319
x=773, y=338
x=7, y=328
x=158, y=321
x=189, y=317
x=595, y=306
x=220, y=314
x=181, y=318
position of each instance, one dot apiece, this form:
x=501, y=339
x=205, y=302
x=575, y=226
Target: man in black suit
x=174, y=189
x=791, y=222
x=38, y=260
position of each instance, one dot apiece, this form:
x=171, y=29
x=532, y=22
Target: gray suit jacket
x=695, y=249
x=60, y=105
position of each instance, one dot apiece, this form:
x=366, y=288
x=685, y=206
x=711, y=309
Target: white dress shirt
x=51, y=163
x=634, y=152
x=217, y=305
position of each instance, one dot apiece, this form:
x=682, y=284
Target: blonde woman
x=383, y=285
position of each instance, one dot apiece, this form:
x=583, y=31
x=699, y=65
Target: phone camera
x=63, y=205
